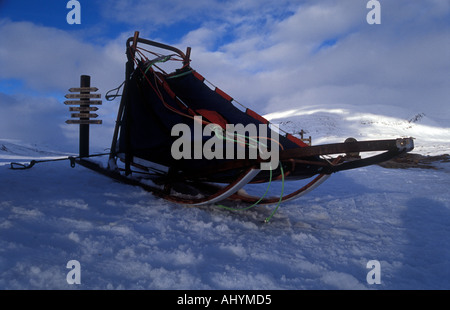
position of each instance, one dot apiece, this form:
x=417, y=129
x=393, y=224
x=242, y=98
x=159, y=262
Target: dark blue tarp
x=147, y=122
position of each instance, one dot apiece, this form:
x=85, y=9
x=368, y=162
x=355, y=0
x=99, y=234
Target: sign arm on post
x=84, y=121
x=84, y=116
x=82, y=96
x=83, y=89
x=74, y=102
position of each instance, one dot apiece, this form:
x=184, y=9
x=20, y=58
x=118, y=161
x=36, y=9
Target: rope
x=253, y=205
x=19, y=166
x=281, y=196
x=262, y=197
x=161, y=58
x=218, y=133
x=109, y=97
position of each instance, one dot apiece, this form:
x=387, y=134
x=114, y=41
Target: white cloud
x=153, y=12
x=48, y=62
x=404, y=61
x=167, y=12
x=47, y=59
x=32, y=119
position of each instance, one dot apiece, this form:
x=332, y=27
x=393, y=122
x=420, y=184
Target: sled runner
x=154, y=101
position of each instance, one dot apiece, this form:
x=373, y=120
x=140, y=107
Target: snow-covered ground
x=125, y=238
x=335, y=124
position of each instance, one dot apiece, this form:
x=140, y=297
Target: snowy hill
x=125, y=238
x=329, y=125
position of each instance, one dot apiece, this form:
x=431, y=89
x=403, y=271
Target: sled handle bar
x=132, y=42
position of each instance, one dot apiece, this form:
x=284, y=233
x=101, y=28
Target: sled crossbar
x=402, y=144
x=392, y=148
x=132, y=41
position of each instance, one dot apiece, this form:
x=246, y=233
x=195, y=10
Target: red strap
x=223, y=94
x=199, y=76
x=213, y=117
x=168, y=90
x=256, y=116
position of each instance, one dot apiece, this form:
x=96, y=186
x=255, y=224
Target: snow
x=331, y=124
x=126, y=238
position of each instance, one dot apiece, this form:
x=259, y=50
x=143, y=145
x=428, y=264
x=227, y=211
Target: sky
x=269, y=55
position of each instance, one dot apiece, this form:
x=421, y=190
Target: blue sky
x=270, y=55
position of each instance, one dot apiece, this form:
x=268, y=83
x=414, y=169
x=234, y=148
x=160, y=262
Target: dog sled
x=154, y=101
x=156, y=142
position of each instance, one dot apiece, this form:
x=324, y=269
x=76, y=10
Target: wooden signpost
x=83, y=117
